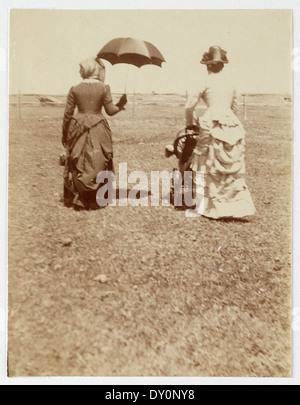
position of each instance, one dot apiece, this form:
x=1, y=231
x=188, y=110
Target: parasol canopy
x=131, y=51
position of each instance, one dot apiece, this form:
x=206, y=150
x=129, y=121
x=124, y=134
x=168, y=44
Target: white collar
x=91, y=81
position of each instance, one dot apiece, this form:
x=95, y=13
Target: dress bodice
x=90, y=97
x=219, y=96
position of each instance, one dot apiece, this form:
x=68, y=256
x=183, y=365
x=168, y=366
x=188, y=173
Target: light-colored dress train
x=220, y=152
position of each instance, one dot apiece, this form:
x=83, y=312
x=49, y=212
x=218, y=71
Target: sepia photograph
x=150, y=193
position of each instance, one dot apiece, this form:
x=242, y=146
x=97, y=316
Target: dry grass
x=166, y=309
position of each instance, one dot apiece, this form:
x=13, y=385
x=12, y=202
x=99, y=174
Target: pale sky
x=46, y=47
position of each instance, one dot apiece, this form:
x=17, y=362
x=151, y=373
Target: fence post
x=133, y=104
x=245, y=107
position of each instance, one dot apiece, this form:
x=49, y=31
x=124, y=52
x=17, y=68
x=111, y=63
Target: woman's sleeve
x=69, y=111
x=108, y=104
x=190, y=106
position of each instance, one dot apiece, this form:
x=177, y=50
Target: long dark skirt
x=90, y=151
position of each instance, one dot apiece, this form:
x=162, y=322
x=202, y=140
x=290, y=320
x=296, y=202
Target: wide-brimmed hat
x=215, y=55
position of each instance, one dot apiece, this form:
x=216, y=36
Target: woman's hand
x=122, y=102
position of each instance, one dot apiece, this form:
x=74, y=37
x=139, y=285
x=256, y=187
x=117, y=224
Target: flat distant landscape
x=259, y=99
x=177, y=296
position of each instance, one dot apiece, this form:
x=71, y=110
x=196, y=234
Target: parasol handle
x=126, y=79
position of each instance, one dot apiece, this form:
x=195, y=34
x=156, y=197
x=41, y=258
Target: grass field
x=180, y=296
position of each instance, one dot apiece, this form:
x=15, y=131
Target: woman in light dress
x=218, y=160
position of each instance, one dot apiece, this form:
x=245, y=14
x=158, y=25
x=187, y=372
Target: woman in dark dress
x=87, y=136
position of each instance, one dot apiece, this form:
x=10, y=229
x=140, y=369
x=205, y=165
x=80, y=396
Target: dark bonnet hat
x=215, y=55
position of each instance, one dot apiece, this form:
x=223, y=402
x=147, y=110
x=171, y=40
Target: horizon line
x=152, y=93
